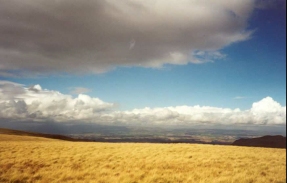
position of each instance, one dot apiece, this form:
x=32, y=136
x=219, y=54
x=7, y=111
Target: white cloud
x=35, y=103
x=269, y=111
x=262, y=113
x=42, y=37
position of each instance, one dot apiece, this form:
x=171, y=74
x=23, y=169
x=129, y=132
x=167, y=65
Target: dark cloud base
x=68, y=36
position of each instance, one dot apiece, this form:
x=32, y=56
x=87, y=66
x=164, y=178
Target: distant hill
x=22, y=133
x=266, y=141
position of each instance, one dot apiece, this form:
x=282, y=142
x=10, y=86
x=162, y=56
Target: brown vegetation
x=33, y=159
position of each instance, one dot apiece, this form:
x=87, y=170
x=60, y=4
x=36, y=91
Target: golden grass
x=23, y=159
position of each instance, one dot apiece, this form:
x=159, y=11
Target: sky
x=152, y=62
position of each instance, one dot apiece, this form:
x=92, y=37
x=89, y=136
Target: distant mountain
x=22, y=133
x=266, y=141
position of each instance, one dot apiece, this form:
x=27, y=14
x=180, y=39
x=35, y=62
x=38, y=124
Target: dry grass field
x=33, y=159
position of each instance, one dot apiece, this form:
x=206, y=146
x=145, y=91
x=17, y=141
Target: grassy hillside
x=23, y=133
x=34, y=159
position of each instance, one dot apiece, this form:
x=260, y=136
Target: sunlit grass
x=32, y=159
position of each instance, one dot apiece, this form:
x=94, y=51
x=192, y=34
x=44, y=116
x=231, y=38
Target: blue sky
x=245, y=66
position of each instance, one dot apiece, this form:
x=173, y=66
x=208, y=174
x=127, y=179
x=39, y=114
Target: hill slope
x=22, y=133
x=51, y=160
x=266, y=141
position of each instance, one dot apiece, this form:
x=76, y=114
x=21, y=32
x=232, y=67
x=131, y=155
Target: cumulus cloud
x=264, y=112
x=37, y=104
x=9, y=90
x=268, y=110
x=40, y=37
